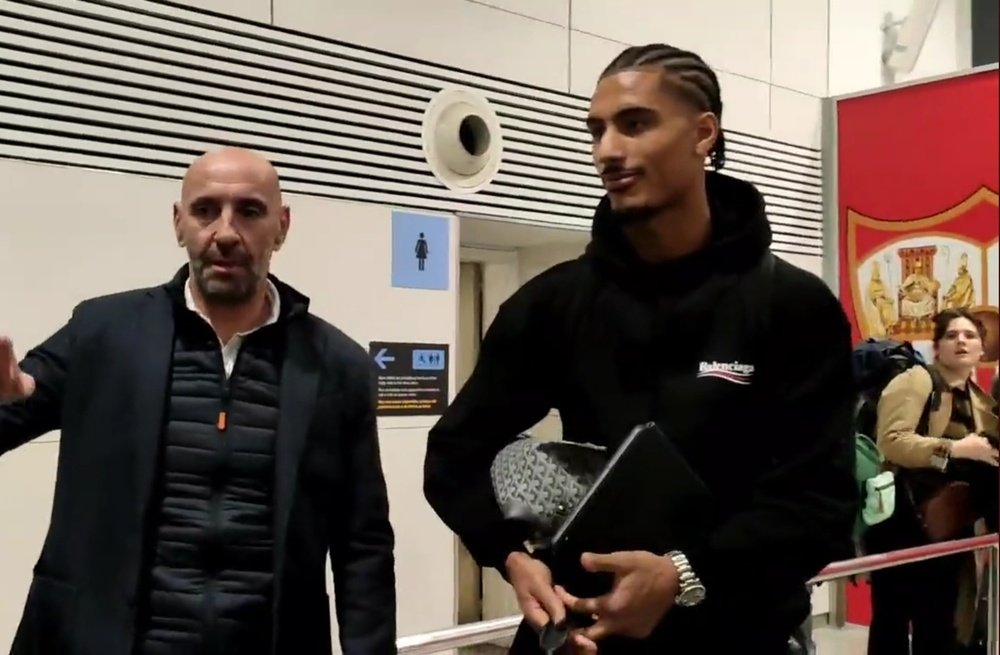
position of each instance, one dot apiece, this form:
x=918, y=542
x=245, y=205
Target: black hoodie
x=747, y=367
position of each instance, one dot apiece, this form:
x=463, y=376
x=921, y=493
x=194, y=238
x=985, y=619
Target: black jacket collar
x=293, y=303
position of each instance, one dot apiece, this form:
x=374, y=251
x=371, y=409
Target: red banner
x=918, y=176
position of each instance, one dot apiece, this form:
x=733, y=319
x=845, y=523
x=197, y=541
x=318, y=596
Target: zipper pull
x=220, y=423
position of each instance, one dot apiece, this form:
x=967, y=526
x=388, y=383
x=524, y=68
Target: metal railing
x=483, y=632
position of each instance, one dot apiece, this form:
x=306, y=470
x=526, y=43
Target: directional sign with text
x=412, y=377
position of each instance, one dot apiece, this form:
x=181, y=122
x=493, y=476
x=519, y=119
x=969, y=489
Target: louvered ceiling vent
x=143, y=87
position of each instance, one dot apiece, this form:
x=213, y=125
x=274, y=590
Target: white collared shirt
x=232, y=349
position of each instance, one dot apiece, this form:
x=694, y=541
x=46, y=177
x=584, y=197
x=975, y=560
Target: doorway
x=496, y=259
x=470, y=333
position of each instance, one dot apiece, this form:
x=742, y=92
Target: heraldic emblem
x=905, y=271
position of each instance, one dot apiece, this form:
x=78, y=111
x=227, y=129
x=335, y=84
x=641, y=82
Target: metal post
x=802, y=641
x=993, y=579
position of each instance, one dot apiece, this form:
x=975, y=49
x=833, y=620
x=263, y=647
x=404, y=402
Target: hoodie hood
x=741, y=236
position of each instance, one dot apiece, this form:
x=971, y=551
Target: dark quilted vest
x=210, y=543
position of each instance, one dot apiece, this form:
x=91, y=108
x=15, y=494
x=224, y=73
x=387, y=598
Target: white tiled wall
x=564, y=44
x=460, y=33
x=856, y=42
x=775, y=57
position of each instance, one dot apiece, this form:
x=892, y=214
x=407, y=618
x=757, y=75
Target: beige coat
x=899, y=411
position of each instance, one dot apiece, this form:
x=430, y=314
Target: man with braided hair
x=677, y=313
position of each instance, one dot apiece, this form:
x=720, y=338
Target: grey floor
x=849, y=640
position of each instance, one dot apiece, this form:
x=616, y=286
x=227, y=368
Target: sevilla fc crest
x=905, y=270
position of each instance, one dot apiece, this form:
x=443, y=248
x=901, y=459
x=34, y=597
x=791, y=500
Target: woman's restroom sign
x=421, y=252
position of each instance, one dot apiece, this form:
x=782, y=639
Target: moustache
x=617, y=170
x=238, y=259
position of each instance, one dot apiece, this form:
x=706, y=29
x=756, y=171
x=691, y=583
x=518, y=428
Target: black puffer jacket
x=210, y=585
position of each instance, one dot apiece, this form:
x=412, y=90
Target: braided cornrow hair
x=687, y=73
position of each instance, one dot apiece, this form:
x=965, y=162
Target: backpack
x=876, y=362
x=877, y=486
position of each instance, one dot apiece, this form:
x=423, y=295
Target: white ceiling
x=499, y=234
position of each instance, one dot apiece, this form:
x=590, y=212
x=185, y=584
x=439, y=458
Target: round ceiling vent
x=461, y=138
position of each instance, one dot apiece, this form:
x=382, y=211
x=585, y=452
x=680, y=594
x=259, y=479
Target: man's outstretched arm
x=31, y=391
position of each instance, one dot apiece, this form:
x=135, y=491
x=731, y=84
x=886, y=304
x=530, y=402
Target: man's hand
x=644, y=590
x=580, y=645
x=532, y=582
x=15, y=384
x=975, y=447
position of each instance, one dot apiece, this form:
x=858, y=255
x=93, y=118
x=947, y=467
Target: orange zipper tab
x=221, y=422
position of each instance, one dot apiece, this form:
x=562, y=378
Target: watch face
x=691, y=596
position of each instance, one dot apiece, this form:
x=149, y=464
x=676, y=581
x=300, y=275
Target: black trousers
x=924, y=595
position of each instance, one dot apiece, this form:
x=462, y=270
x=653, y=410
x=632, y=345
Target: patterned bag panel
x=539, y=483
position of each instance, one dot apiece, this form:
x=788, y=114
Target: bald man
x=218, y=442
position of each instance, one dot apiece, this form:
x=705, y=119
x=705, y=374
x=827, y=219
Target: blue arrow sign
x=383, y=357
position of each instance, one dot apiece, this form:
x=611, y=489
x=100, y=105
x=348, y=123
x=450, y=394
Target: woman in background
x=935, y=427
